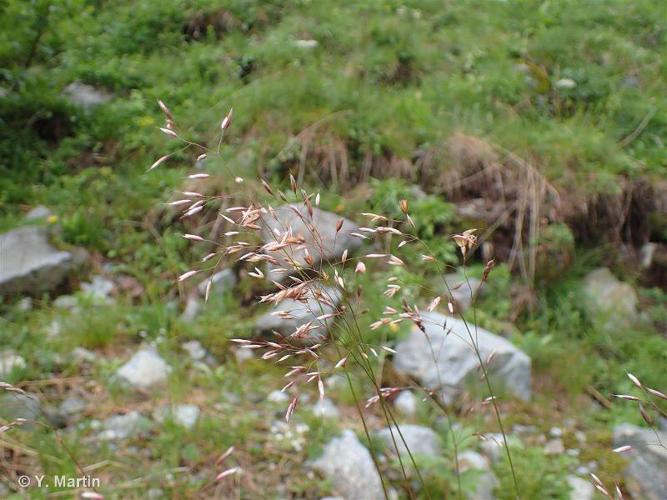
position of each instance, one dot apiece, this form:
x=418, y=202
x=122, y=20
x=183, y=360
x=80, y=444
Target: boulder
x=29, y=264
x=456, y=364
x=645, y=475
x=419, y=440
x=318, y=233
x=144, y=369
x=608, y=300
x=462, y=291
x=301, y=313
x=348, y=465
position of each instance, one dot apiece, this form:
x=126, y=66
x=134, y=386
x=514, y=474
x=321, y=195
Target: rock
x=86, y=96
x=72, y=407
x=566, y=83
x=29, y=263
x=325, y=408
x=25, y=304
x=66, y=303
x=319, y=235
x=243, y=354
x=14, y=405
x=471, y=460
x=348, y=465
x=301, y=314
x=144, y=369
x=277, y=397
x=306, y=44
x=98, y=290
x=645, y=476
x=462, y=291
x=185, y=415
x=123, y=426
x=406, y=403
x=646, y=254
x=192, y=309
x=10, y=361
x=419, y=440
x=195, y=350
x=580, y=489
x=83, y=355
x=554, y=447
x=456, y=363
x=155, y=494
x=556, y=432
x=37, y=213
x=609, y=300
x=221, y=282
x=493, y=446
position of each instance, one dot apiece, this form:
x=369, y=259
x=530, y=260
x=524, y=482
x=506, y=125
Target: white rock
x=144, y=369
x=278, y=397
x=471, y=460
x=185, y=415
x=325, y=408
x=462, y=290
x=194, y=349
x=10, y=361
x=83, y=355
x=302, y=313
x=406, y=403
x=39, y=212
x=580, y=489
x=243, y=354
x=25, y=304
x=98, y=290
x=29, y=263
x=456, y=364
x=193, y=307
x=417, y=439
x=86, y=96
x=554, y=447
x=306, y=44
x=221, y=282
x=494, y=445
x=645, y=476
x=66, y=303
x=566, y=83
x=609, y=301
x=123, y=426
x=348, y=465
x=324, y=243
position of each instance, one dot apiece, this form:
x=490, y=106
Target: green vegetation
x=366, y=114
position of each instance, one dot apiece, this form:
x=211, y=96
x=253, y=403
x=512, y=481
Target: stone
x=15, y=405
x=319, y=235
x=29, y=264
x=471, y=460
x=417, y=439
x=193, y=307
x=66, y=303
x=243, y=354
x=38, y=213
x=221, y=282
x=486, y=483
x=306, y=44
x=25, y=304
x=406, y=403
x=301, y=313
x=580, y=489
x=493, y=446
x=98, y=290
x=348, y=465
x=72, y=407
x=195, y=350
x=123, y=426
x=277, y=397
x=456, y=364
x=556, y=432
x=566, y=83
x=554, y=447
x=185, y=415
x=10, y=361
x=83, y=355
x=325, y=408
x=645, y=475
x=608, y=300
x=86, y=96
x=144, y=369
x=462, y=290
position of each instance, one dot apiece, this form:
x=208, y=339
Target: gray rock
x=554, y=447
x=325, y=408
x=306, y=44
x=144, y=369
x=66, y=303
x=608, y=300
x=462, y=290
x=86, y=96
x=37, y=213
x=406, y=403
x=10, y=361
x=319, y=235
x=486, y=483
x=456, y=364
x=580, y=489
x=29, y=264
x=98, y=290
x=471, y=460
x=83, y=355
x=494, y=445
x=646, y=254
x=194, y=349
x=27, y=406
x=25, y=304
x=193, y=307
x=645, y=476
x=72, y=407
x=185, y=415
x=418, y=440
x=278, y=397
x=300, y=314
x=349, y=467
x=221, y=282
x=123, y=426
x=243, y=354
